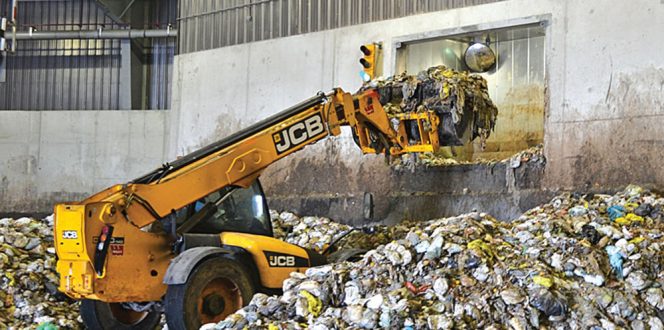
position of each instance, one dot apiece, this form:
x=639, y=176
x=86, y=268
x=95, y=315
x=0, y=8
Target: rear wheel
x=215, y=289
x=101, y=315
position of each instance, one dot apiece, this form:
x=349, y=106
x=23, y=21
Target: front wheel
x=215, y=289
x=101, y=315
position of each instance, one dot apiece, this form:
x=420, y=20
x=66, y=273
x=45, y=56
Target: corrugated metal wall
x=82, y=74
x=160, y=62
x=207, y=24
x=160, y=80
x=62, y=74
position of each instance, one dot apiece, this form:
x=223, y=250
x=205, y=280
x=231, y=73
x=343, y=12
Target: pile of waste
x=317, y=233
x=534, y=155
x=28, y=281
x=314, y=233
x=578, y=262
x=460, y=99
x=530, y=155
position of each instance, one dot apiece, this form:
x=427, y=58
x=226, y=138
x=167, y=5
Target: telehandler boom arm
x=240, y=158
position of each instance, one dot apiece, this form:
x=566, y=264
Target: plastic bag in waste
x=548, y=303
x=314, y=304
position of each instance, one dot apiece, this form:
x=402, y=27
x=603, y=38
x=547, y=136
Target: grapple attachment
x=460, y=102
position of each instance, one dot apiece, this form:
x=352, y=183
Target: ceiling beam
x=117, y=9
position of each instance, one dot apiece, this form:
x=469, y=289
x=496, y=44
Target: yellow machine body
x=272, y=273
x=138, y=259
x=140, y=252
x=135, y=256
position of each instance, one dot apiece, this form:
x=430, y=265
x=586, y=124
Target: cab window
x=234, y=210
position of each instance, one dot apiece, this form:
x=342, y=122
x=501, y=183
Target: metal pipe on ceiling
x=97, y=34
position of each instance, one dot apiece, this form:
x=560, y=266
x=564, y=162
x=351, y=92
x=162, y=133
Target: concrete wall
x=604, y=96
x=55, y=156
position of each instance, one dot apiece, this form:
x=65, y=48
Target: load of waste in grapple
x=28, y=281
x=578, y=262
x=461, y=100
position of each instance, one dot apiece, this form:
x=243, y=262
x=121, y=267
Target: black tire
x=101, y=315
x=213, y=291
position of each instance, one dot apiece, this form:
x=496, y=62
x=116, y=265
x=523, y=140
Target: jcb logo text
x=296, y=134
x=282, y=261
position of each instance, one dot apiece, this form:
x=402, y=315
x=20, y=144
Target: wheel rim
x=127, y=316
x=219, y=298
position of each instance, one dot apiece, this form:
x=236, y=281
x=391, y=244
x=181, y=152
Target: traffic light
x=370, y=61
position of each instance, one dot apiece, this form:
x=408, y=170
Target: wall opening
x=516, y=83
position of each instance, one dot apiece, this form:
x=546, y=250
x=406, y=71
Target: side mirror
x=368, y=207
x=479, y=58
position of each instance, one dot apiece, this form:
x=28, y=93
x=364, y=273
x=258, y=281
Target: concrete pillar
x=125, y=75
